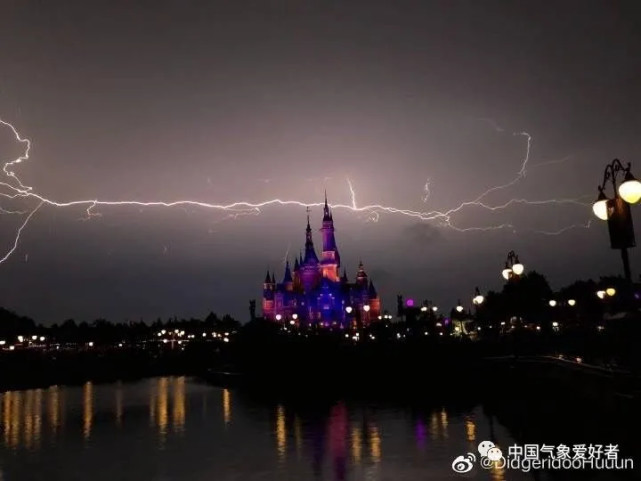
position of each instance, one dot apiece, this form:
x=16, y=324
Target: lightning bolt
x=19, y=233
x=426, y=191
x=15, y=189
x=352, y=194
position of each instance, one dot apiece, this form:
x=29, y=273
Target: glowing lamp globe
x=600, y=207
x=571, y=302
x=552, y=303
x=424, y=308
x=278, y=317
x=506, y=273
x=366, y=308
x=294, y=316
x=459, y=308
x=410, y=303
x=630, y=189
x=600, y=294
x=610, y=291
x=434, y=308
x=348, y=309
x=518, y=268
x=478, y=300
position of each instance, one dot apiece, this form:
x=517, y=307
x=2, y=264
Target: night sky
x=222, y=102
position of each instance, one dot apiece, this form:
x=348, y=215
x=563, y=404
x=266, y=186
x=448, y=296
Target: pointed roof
x=361, y=275
x=288, y=274
x=344, y=276
x=310, y=252
x=327, y=214
x=296, y=264
x=267, y=278
x=371, y=291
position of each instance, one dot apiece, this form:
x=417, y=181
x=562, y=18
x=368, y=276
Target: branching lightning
x=14, y=189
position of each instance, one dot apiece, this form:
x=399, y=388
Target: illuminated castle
x=315, y=292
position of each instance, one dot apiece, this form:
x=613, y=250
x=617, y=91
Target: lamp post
x=616, y=211
x=366, y=309
x=513, y=267
x=478, y=298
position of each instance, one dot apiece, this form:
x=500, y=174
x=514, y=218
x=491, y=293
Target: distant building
x=315, y=292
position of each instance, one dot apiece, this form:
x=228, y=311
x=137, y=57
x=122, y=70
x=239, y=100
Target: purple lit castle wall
x=315, y=292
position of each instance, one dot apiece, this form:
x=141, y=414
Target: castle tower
x=374, y=301
x=288, y=280
x=330, y=258
x=297, y=280
x=268, y=297
x=361, y=276
x=309, y=269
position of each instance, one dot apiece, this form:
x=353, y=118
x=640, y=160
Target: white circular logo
x=464, y=464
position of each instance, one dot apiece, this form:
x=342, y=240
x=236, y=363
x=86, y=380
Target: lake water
x=176, y=428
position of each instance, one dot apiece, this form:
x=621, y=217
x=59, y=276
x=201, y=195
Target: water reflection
x=226, y=406
x=178, y=402
x=167, y=405
x=281, y=432
x=374, y=443
x=87, y=409
x=470, y=430
x=357, y=444
x=333, y=440
x=53, y=408
x=119, y=404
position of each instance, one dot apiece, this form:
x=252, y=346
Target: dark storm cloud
x=249, y=101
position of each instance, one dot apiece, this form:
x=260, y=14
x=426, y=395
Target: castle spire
x=288, y=274
x=310, y=252
x=327, y=214
x=361, y=275
x=267, y=278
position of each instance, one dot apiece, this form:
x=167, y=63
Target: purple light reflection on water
x=421, y=433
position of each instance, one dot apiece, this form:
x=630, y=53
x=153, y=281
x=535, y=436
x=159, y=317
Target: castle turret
x=269, y=286
x=330, y=258
x=374, y=301
x=344, y=278
x=361, y=276
x=288, y=280
x=309, y=269
x=297, y=279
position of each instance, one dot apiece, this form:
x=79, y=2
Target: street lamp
x=366, y=307
x=616, y=211
x=478, y=298
x=348, y=309
x=571, y=302
x=459, y=307
x=552, y=303
x=513, y=266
